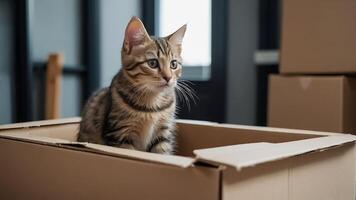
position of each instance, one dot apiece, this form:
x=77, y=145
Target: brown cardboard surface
x=268, y=182
x=32, y=124
x=192, y=136
x=323, y=103
x=247, y=155
x=65, y=131
x=228, y=134
x=316, y=175
x=32, y=168
x=173, y=160
x=34, y=171
x=178, y=161
x=307, y=177
x=318, y=37
x=349, y=106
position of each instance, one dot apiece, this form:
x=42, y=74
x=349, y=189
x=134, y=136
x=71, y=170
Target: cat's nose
x=167, y=78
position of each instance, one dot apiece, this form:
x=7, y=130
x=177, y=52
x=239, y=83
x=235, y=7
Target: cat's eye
x=174, y=64
x=153, y=63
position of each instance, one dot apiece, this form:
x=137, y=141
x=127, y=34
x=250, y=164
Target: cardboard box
x=318, y=37
x=324, y=103
x=42, y=160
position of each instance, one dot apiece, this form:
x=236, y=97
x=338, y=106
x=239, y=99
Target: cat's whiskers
x=190, y=91
x=189, y=88
x=182, y=97
x=185, y=92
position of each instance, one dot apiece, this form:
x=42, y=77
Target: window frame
x=22, y=83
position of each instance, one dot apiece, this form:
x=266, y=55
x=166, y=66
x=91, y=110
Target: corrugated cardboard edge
x=40, y=123
x=249, y=155
x=173, y=160
x=277, y=130
x=257, y=128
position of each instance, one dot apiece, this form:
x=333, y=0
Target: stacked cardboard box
x=316, y=89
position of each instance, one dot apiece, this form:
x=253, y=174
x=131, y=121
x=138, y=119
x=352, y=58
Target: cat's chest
x=149, y=126
x=147, y=133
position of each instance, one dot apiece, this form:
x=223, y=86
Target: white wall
x=241, y=72
x=113, y=19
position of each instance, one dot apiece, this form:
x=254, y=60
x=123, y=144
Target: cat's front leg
x=163, y=143
x=123, y=140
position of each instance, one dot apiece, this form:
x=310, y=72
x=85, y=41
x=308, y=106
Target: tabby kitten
x=137, y=111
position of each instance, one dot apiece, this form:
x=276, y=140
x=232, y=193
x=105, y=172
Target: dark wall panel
x=6, y=60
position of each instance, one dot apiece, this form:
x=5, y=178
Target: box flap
x=25, y=136
x=174, y=160
x=248, y=155
x=198, y=122
x=40, y=123
x=178, y=161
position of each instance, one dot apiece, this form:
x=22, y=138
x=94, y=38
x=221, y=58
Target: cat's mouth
x=164, y=85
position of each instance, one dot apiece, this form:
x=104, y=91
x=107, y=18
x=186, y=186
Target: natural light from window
x=197, y=15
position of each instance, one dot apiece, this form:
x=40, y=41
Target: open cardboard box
x=42, y=160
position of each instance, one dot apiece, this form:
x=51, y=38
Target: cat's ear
x=135, y=34
x=176, y=38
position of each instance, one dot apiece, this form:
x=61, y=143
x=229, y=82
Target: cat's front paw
x=127, y=146
x=163, y=148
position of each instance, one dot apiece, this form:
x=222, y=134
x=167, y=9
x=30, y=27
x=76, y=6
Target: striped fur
x=137, y=111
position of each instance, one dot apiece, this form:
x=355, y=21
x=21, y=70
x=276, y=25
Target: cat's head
x=149, y=62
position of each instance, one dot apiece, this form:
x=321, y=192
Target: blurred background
x=230, y=48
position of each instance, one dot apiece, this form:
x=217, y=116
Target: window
x=197, y=41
